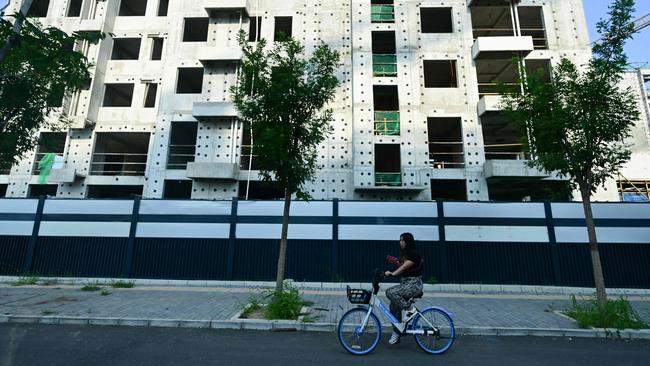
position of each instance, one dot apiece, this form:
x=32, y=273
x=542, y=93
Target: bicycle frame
x=376, y=302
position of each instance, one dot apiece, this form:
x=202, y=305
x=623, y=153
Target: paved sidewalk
x=218, y=307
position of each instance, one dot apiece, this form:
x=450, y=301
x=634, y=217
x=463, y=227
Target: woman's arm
x=406, y=265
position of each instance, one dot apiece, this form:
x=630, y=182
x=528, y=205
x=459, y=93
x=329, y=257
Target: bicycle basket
x=358, y=296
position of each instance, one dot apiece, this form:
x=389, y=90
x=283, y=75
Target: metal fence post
x=31, y=246
x=552, y=242
x=335, y=239
x=130, y=248
x=444, y=267
x=232, y=239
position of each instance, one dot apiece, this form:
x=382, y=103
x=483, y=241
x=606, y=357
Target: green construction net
x=382, y=13
x=384, y=65
x=388, y=179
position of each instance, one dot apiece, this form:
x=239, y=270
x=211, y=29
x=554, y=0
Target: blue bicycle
x=359, y=329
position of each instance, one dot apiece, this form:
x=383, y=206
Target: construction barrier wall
x=462, y=242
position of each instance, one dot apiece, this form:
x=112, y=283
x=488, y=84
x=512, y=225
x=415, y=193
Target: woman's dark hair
x=410, y=245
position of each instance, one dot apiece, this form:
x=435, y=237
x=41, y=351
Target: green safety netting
x=392, y=179
x=387, y=116
x=382, y=13
x=384, y=65
x=387, y=128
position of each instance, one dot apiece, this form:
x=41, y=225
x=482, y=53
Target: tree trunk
x=283, y=241
x=15, y=31
x=599, y=280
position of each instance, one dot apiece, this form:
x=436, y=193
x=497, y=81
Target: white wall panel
x=151, y=207
x=182, y=230
x=638, y=235
x=94, y=207
x=275, y=208
x=18, y=206
x=497, y=233
x=85, y=229
x=387, y=232
x=273, y=231
x=388, y=209
x=17, y=228
x=494, y=210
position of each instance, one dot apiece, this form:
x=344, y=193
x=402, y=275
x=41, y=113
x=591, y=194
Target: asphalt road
x=75, y=345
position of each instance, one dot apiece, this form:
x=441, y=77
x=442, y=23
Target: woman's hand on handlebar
x=388, y=274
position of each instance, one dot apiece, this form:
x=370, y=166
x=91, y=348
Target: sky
x=638, y=49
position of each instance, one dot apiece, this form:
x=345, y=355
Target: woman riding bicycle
x=410, y=270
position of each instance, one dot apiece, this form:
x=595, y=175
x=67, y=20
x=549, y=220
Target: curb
x=289, y=325
x=334, y=286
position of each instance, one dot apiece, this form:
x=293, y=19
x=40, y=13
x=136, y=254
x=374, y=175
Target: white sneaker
x=394, y=338
x=408, y=314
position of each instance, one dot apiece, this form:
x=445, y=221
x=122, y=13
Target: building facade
x=415, y=118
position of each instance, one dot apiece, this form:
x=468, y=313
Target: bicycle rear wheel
x=439, y=332
x=354, y=339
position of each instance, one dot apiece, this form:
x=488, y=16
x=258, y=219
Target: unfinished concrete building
x=416, y=116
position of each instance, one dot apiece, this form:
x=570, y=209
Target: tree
x=578, y=123
x=39, y=70
x=281, y=95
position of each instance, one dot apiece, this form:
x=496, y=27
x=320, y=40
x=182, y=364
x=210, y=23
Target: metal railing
x=540, y=42
x=384, y=65
x=493, y=88
x=246, y=157
x=388, y=179
x=381, y=13
x=387, y=123
x=180, y=155
x=505, y=152
x=128, y=164
x=448, y=158
x=37, y=162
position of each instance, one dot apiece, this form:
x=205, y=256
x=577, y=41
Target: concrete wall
x=346, y=158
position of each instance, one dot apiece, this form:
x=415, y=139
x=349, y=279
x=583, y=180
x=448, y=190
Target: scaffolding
x=387, y=123
x=633, y=190
x=384, y=65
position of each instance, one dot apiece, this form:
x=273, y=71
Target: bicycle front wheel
x=439, y=332
x=354, y=338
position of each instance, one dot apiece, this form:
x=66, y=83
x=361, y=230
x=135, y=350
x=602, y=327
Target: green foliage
x=91, y=287
x=433, y=280
x=27, y=280
x=578, y=124
x=618, y=314
x=282, y=96
x=39, y=71
x=122, y=284
x=285, y=304
x=104, y=292
x=253, y=306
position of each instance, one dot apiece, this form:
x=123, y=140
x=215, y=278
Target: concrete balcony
x=65, y=175
x=489, y=103
x=501, y=47
x=226, y=171
x=498, y=169
x=214, y=111
x=90, y=25
x=81, y=122
x=226, y=5
x=213, y=54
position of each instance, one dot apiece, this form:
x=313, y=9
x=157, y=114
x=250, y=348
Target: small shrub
x=122, y=284
x=90, y=287
x=252, y=307
x=338, y=278
x=433, y=280
x=617, y=314
x=105, y=292
x=50, y=281
x=27, y=280
x=285, y=304
x=48, y=312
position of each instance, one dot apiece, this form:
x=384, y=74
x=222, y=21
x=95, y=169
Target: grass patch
x=285, y=304
x=105, y=292
x=27, y=280
x=90, y=287
x=48, y=312
x=617, y=314
x=433, y=280
x=252, y=307
x=49, y=282
x=122, y=284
